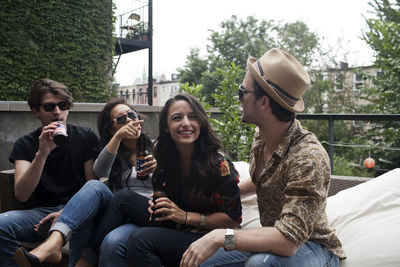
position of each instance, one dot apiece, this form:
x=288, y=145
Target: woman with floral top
x=200, y=184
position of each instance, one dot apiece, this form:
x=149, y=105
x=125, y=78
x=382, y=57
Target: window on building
x=358, y=81
x=133, y=94
x=155, y=91
x=338, y=81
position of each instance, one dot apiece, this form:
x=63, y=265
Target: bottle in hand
x=140, y=158
x=156, y=195
x=60, y=135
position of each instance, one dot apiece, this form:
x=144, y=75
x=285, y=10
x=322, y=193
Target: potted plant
x=143, y=30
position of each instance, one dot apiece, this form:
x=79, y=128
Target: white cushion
x=250, y=215
x=366, y=218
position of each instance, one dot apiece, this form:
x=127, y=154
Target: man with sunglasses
x=290, y=173
x=50, y=172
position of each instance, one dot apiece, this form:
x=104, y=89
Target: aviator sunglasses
x=121, y=119
x=50, y=106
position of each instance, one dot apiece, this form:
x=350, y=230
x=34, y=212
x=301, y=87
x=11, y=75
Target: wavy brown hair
x=43, y=86
x=205, y=163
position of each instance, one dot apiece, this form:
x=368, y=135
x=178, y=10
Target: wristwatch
x=203, y=220
x=229, y=239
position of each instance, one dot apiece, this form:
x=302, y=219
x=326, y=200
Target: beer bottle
x=157, y=194
x=60, y=135
x=159, y=187
x=140, y=157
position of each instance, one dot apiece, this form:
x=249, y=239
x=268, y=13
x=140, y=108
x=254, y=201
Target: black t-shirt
x=63, y=173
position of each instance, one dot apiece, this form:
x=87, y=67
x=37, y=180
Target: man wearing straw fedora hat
x=290, y=173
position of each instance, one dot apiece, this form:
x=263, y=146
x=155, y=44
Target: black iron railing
x=341, y=117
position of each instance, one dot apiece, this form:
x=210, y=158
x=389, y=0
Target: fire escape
x=134, y=30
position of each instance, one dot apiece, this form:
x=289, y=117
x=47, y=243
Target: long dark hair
x=122, y=163
x=205, y=158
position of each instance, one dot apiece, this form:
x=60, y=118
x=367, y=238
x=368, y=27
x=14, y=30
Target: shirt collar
x=283, y=146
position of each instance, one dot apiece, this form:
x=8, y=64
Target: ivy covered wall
x=67, y=41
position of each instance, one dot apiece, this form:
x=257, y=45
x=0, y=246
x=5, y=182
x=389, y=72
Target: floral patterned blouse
x=224, y=197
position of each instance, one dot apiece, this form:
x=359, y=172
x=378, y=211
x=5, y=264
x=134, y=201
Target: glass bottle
x=140, y=157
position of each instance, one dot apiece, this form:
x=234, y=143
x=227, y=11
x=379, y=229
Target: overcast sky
x=183, y=24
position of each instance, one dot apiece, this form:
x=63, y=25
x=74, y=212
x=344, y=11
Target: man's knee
x=7, y=222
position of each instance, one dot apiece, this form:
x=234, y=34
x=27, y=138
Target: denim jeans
x=310, y=254
x=113, y=250
x=233, y=258
x=17, y=225
x=79, y=214
x=158, y=246
x=125, y=206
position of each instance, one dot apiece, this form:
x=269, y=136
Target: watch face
x=229, y=240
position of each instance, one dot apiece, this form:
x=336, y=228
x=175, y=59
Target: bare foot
x=50, y=250
x=82, y=262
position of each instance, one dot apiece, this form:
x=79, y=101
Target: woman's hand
x=149, y=166
x=168, y=209
x=130, y=130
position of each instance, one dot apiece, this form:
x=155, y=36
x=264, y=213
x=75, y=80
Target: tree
x=297, y=40
x=236, y=40
x=383, y=35
x=194, y=68
x=239, y=39
x=235, y=135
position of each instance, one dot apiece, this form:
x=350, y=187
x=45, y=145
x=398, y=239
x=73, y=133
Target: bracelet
x=203, y=221
x=185, y=218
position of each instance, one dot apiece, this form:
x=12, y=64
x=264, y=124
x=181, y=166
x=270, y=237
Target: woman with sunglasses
x=200, y=184
x=119, y=126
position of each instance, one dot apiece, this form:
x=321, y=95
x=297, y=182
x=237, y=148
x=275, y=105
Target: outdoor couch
x=364, y=212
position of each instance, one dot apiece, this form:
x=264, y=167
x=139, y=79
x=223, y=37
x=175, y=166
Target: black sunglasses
x=243, y=91
x=50, y=106
x=121, y=119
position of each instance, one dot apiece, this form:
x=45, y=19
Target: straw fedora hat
x=282, y=77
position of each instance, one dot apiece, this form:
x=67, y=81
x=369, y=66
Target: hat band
x=289, y=99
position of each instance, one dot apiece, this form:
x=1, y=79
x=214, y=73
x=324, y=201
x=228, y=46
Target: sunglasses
x=243, y=91
x=121, y=119
x=50, y=106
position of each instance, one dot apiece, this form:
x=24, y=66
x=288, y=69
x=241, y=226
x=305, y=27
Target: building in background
x=163, y=89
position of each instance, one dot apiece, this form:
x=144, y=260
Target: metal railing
x=133, y=21
x=342, y=117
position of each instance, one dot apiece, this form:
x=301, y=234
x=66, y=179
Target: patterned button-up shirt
x=293, y=186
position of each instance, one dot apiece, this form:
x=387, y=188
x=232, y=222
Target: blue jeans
x=76, y=222
x=158, y=246
x=17, y=225
x=125, y=206
x=310, y=254
x=113, y=250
